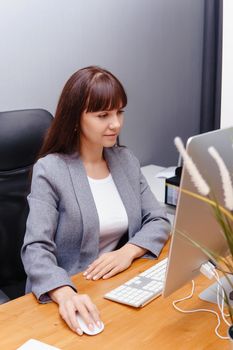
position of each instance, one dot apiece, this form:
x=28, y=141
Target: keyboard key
x=142, y=288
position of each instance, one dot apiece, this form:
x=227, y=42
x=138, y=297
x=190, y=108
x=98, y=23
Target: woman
x=91, y=209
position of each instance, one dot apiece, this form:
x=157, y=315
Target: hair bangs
x=106, y=93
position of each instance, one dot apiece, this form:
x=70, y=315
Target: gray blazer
x=62, y=231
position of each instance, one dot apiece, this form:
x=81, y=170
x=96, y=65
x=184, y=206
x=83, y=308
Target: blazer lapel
x=90, y=241
x=89, y=249
x=124, y=188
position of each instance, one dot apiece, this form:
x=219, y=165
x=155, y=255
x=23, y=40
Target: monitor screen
x=195, y=218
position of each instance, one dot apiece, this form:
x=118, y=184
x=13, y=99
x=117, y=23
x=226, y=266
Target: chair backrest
x=21, y=136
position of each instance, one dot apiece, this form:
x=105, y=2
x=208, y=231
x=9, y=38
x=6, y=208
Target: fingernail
x=95, y=278
x=98, y=324
x=88, y=277
x=91, y=327
x=79, y=331
x=84, y=273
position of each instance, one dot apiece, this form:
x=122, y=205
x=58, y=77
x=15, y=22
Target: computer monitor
x=194, y=217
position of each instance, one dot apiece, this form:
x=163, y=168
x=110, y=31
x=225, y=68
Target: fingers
x=99, y=271
x=97, y=263
x=66, y=314
x=101, y=266
x=72, y=319
x=108, y=265
x=105, y=272
x=86, y=308
x=113, y=272
x=88, y=311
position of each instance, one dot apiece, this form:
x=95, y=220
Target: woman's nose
x=115, y=122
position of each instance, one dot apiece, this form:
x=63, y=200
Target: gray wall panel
x=153, y=46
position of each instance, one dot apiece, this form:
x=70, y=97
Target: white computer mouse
x=85, y=328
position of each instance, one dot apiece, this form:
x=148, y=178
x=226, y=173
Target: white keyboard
x=141, y=289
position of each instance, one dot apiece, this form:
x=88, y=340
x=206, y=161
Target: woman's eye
x=120, y=111
x=102, y=116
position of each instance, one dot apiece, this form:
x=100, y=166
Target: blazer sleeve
x=155, y=226
x=39, y=248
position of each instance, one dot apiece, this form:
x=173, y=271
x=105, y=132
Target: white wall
x=227, y=68
x=153, y=46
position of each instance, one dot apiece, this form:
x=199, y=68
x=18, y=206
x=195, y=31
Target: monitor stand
x=210, y=294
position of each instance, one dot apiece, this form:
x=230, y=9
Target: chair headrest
x=21, y=137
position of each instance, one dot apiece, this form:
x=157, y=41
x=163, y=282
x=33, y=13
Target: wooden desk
x=156, y=326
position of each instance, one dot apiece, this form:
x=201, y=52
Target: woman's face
x=101, y=128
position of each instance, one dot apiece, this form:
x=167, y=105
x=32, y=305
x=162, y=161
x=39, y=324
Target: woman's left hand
x=109, y=264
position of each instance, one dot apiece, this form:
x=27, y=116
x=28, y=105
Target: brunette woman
x=91, y=209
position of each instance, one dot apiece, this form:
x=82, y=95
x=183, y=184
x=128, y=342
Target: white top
x=113, y=218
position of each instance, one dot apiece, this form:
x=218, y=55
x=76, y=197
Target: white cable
x=221, y=306
x=209, y=270
x=199, y=310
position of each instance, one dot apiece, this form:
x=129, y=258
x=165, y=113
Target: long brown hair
x=89, y=89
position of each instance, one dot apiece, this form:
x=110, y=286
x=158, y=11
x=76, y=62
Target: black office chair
x=21, y=136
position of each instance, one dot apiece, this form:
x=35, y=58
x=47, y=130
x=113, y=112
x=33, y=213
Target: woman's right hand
x=70, y=303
